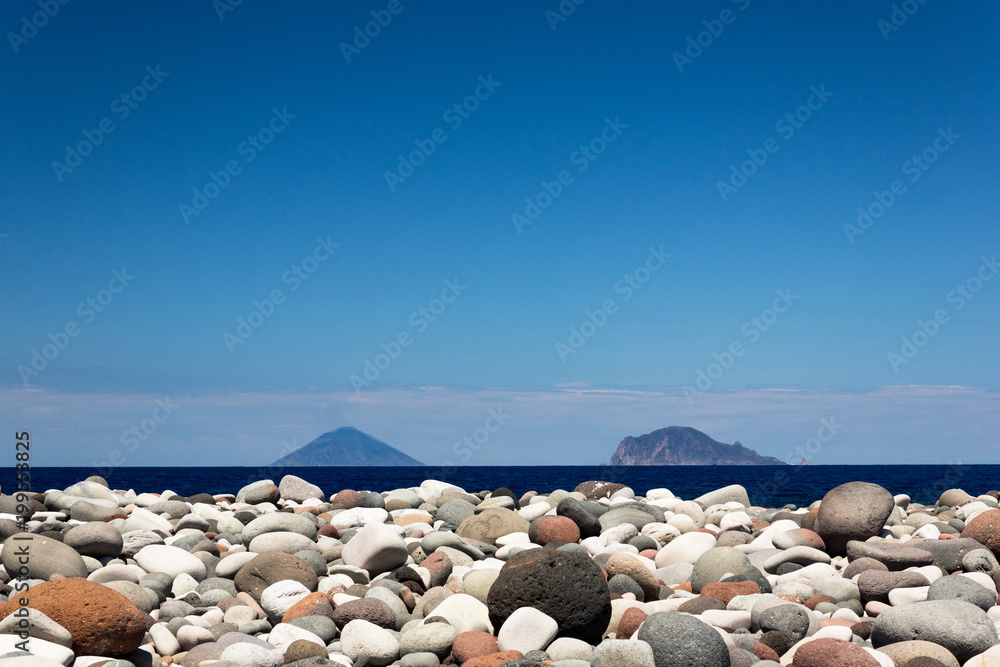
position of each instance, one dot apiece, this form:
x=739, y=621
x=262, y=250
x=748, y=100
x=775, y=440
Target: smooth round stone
x=903, y=652
x=251, y=655
x=361, y=638
x=92, y=510
x=852, y=511
x=96, y=539
x=825, y=652
x=799, y=555
x=980, y=560
x=621, y=515
x=115, y=572
x=876, y=584
x=171, y=561
x=687, y=548
x=948, y=554
x=894, y=556
x=435, y=638
x=375, y=548
x=954, y=498
x=840, y=590
x=231, y=564
x=271, y=567
x=477, y=583
x=278, y=522
x=730, y=621
x=961, y=627
x=41, y=627
x=463, y=612
x=798, y=537
x=298, y=489
x=678, y=640
x=91, y=490
x=567, y=648
x=279, y=597
x=373, y=610
x=44, y=555
x=958, y=587
x=454, y=511
x=143, y=519
x=904, y=596
x=437, y=539
x=527, y=629
x=727, y=494
x=990, y=658
x=264, y=491
x=359, y=516
x=135, y=541
x=635, y=569
x=717, y=563
x=142, y=598
x=285, y=541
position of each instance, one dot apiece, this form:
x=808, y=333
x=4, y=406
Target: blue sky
x=641, y=138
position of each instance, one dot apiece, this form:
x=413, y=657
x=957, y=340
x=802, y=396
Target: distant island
x=347, y=446
x=685, y=446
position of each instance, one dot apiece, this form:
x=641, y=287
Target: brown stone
x=632, y=567
x=876, y=585
x=805, y=538
x=630, y=622
x=368, y=609
x=597, y=490
x=859, y=565
x=440, y=567
x=314, y=604
x=727, y=590
x=493, y=659
x=547, y=529
x=329, y=530
x=701, y=604
x=271, y=567
x=303, y=648
x=348, y=498
x=473, y=644
x=816, y=599
x=985, y=529
x=832, y=653
x=764, y=652
x=101, y=620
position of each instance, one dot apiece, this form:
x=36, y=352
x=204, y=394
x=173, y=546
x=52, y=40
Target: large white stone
x=465, y=613
x=143, y=519
x=527, y=629
x=359, y=637
x=170, y=560
x=251, y=655
x=375, y=548
x=685, y=549
x=279, y=597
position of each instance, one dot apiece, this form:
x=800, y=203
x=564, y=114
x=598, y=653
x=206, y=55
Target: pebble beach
x=288, y=573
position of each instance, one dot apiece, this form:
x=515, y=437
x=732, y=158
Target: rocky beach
x=288, y=573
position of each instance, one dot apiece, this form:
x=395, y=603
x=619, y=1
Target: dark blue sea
x=770, y=486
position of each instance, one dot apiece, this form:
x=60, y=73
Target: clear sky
x=240, y=207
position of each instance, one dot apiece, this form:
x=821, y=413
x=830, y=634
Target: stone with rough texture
x=619, y=652
x=957, y=587
x=100, y=620
x=276, y=523
x=877, y=584
x=435, y=638
x=374, y=611
x=95, y=539
x=903, y=652
x=985, y=529
x=271, y=567
x=791, y=620
x=852, y=511
x=473, y=644
x=547, y=529
x=961, y=627
x=727, y=494
x=570, y=588
x=832, y=653
x=678, y=640
x=251, y=655
x=491, y=524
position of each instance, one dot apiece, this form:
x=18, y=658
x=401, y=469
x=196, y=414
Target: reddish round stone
x=329, y=530
x=727, y=590
x=630, y=622
x=832, y=653
x=985, y=529
x=764, y=652
x=816, y=599
x=803, y=537
x=547, y=529
x=473, y=644
x=440, y=567
x=101, y=620
x=493, y=659
x=314, y=604
x=348, y=498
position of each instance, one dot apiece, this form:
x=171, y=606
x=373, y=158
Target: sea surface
x=770, y=486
